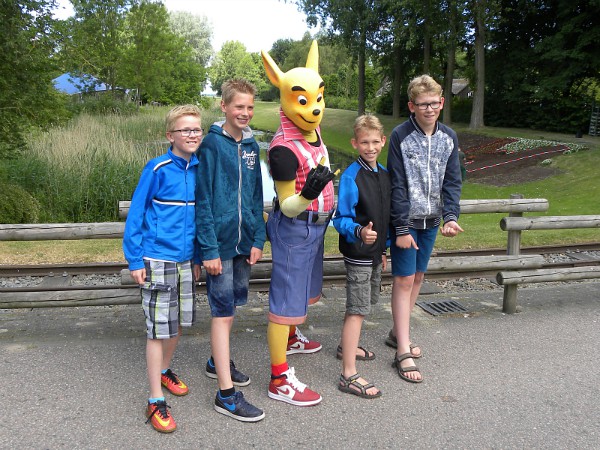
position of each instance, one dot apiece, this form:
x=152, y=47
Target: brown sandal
x=369, y=356
x=361, y=389
x=392, y=341
x=403, y=370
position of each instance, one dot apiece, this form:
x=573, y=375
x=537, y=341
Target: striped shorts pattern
x=168, y=298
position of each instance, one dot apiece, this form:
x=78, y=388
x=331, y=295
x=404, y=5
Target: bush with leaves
x=17, y=205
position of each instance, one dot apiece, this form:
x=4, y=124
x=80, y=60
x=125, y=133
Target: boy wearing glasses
x=231, y=234
x=158, y=243
x=426, y=183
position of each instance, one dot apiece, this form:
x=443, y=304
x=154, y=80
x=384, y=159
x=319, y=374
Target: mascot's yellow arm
x=291, y=204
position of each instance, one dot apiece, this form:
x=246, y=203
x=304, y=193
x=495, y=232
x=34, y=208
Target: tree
x=145, y=57
x=196, y=31
x=453, y=10
x=98, y=40
x=280, y=50
x=27, y=67
x=160, y=64
x=479, y=10
x=529, y=42
x=354, y=22
x=233, y=61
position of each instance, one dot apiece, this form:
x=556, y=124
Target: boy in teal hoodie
x=231, y=234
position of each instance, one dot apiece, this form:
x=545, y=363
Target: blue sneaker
x=238, y=408
x=237, y=377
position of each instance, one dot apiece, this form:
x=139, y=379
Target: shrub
x=102, y=104
x=461, y=109
x=17, y=205
x=350, y=104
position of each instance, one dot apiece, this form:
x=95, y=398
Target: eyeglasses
x=187, y=133
x=423, y=106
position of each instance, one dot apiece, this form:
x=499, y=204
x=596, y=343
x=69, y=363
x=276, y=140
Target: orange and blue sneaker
x=174, y=385
x=160, y=418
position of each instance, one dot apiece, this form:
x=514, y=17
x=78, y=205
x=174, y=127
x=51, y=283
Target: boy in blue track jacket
x=362, y=219
x=426, y=184
x=159, y=243
x=231, y=234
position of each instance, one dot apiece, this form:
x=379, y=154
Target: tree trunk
x=426, y=50
x=361, y=74
x=397, y=83
x=451, y=63
x=449, y=77
x=478, y=95
x=427, y=36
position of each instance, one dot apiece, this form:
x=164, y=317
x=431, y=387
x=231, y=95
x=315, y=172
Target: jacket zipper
x=186, y=207
x=428, y=175
x=239, y=154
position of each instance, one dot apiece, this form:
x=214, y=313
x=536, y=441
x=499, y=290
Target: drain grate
x=438, y=308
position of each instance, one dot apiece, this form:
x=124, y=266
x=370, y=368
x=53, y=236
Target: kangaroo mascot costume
x=299, y=164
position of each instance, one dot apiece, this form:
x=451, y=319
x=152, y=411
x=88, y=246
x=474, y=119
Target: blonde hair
x=236, y=86
x=180, y=111
x=367, y=122
x=423, y=84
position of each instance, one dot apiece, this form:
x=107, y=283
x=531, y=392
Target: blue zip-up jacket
x=425, y=174
x=363, y=197
x=161, y=220
x=229, y=196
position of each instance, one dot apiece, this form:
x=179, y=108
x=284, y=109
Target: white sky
x=255, y=23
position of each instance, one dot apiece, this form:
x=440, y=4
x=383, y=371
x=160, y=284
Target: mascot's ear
x=273, y=72
x=312, y=62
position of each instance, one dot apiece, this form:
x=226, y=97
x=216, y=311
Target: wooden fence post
x=513, y=247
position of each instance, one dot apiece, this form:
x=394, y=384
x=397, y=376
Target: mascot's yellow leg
x=277, y=338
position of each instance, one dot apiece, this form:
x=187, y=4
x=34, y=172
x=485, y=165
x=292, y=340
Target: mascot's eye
x=319, y=97
x=302, y=100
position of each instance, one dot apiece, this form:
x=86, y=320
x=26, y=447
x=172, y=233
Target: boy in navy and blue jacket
x=362, y=220
x=159, y=245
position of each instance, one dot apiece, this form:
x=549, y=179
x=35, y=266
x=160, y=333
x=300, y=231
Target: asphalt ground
x=75, y=378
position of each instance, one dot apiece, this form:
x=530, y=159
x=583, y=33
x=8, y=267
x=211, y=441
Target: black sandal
x=361, y=389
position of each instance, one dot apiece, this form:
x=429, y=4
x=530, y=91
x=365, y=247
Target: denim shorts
x=168, y=298
x=408, y=261
x=229, y=289
x=363, y=286
x=297, y=274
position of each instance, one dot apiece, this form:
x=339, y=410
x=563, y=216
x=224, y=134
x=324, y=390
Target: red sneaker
x=160, y=418
x=173, y=384
x=287, y=388
x=299, y=343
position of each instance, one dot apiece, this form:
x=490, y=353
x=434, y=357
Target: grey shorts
x=168, y=298
x=363, y=286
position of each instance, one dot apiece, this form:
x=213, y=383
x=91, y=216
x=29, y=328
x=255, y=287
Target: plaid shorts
x=168, y=298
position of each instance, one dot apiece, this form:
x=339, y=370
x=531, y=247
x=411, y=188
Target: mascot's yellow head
x=301, y=90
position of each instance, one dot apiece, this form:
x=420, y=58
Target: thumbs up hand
x=368, y=235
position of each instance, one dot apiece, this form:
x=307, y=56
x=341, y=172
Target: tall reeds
x=79, y=172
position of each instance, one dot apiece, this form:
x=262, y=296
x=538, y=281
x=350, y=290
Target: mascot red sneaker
x=299, y=164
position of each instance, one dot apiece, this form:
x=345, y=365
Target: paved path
x=74, y=378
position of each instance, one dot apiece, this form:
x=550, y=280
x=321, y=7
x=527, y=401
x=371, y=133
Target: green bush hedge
x=17, y=205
